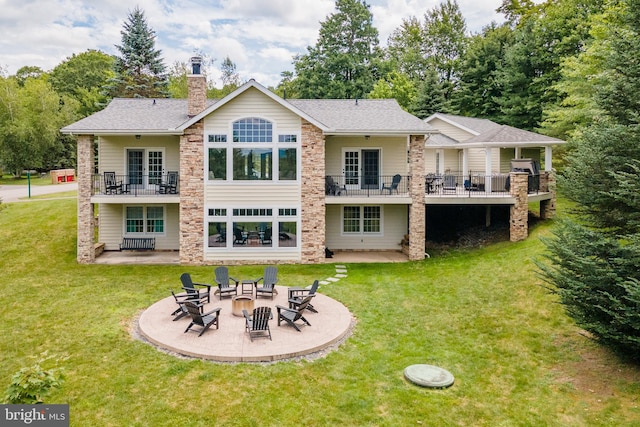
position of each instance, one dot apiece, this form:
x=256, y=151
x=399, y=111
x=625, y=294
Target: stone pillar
x=548, y=207
x=519, y=212
x=86, y=222
x=313, y=215
x=192, y=195
x=197, y=94
x=417, y=221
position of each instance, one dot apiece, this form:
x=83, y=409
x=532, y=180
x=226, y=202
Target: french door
x=362, y=168
x=145, y=167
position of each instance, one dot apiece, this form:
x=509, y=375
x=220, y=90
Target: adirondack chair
x=111, y=185
x=290, y=315
x=298, y=295
x=204, y=320
x=449, y=183
x=269, y=281
x=193, y=291
x=225, y=288
x=258, y=323
x=394, y=184
x=181, y=311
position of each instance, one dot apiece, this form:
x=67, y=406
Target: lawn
x=482, y=314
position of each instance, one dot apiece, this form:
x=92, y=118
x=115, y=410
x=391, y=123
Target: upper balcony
x=112, y=186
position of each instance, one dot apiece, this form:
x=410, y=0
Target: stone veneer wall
x=519, y=212
x=417, y=210
x=313, y=215
x=86, y=223
x=548, y=207
x=197, y=89
x=192, y=195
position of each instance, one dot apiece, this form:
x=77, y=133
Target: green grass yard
x=482, y=314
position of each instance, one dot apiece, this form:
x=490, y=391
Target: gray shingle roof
x=477, y=125
x=366, y=115
x=509, y=134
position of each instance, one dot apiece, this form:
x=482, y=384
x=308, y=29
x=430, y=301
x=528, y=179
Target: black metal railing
x=366, y=185
x=111, y=184
x=467, y=185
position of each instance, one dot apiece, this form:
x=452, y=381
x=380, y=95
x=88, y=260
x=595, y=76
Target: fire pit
x=241, y=302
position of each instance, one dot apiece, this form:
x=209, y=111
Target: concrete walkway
x=20, y=193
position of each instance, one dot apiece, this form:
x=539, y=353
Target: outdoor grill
x=532, y=167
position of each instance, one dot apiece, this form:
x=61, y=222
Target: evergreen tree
x=344, y=63
x=140, y=71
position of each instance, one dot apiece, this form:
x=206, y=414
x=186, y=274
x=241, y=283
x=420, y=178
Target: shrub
x=31, y=384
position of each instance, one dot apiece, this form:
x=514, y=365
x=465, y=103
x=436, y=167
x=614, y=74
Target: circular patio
x=230, y=343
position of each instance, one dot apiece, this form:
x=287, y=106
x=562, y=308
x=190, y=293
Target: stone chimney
x=197, y=88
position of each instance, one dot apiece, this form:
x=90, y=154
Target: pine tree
x=140, y=71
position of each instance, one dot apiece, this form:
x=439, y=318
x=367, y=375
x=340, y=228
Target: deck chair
x=269, y=281
x=266, y=236
x=331, y=188
x=190, y=288
x=290, y=315
x=258, y=323
x=181, y=311
x=238, y=237
x=225, y=288
x=204, y=320
x=171, y=185
x=394, y=184
x=449, y=183
x=111, y=185
x=298, y=295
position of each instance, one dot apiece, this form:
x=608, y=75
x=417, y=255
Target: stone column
x=86, y=222
x=197, y=94
x=519, y=212
x=313, y=215
x=192, y=195
x=417, y=221
x=548, y=207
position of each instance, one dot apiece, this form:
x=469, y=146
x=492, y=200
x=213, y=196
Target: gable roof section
x=472, y=125
x=363, y=116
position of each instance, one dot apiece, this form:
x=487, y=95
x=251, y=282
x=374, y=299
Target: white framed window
x=144, y=220
x=252, y=228
x=252, y=154
x=360, y=220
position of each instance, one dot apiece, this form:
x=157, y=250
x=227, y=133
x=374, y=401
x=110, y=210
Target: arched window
x=252, y=129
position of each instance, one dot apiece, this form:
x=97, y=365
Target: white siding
x=393, y=153
x=394, y=228
x=111, y=227
x=112, y=151
x=253, y=194
x=450, y=130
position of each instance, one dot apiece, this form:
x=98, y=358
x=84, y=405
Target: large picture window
x=251, y=154
x=362, y=220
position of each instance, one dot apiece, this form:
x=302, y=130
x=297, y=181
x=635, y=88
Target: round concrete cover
x=428, y=376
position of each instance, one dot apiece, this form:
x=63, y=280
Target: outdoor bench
x=138, y=244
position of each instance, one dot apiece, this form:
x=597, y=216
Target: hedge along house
x=251, y=178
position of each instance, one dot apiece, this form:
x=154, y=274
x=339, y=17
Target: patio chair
x=394, y=184
x=238, y=237
x=111, y=185
x=291, y=315
x=204, y=320
x=171, y=185
x=449, y=183
x=269, y=281
x=331, y=188
x=265, y=237
x=225, y=288
x=190, y=288
x=258, y=323
x=181, y=311
x=298, y=295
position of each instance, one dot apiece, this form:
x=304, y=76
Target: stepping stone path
x=341, y=273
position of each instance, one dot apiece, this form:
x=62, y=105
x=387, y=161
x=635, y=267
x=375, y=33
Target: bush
x=31, y=384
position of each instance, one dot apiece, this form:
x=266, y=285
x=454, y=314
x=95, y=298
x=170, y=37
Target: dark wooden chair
x=269, y=281
x=238, y=237
x=190, y=287
x=331, y=188
x=181, y=311
x=222, y=279
x=111, y=185
x=449, y=183
x=290, y=315
x=171, y=185
x=204, y=320
x=298, y=295
x=394, y=184
x=258, y=323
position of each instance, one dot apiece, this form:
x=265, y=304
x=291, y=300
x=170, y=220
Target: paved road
x=20, y=193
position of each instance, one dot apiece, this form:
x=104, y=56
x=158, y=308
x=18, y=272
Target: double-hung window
x=362, y=219
x=144, y=220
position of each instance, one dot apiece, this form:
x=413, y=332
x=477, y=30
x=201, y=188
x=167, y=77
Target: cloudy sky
x=260, y=36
